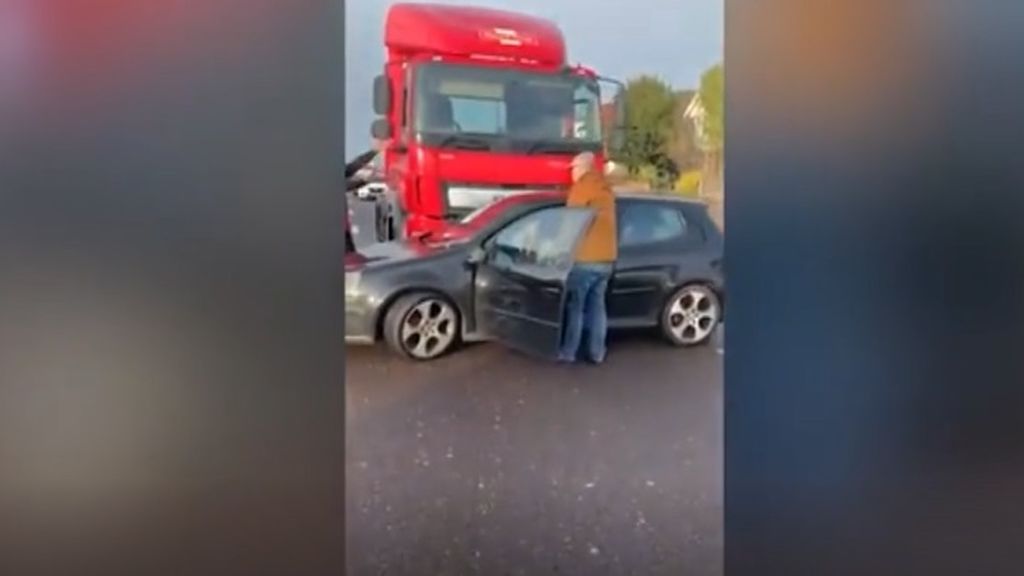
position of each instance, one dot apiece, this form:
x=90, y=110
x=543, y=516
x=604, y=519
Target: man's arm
x=359, y=162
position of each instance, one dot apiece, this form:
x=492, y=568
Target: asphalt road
x=487, y=462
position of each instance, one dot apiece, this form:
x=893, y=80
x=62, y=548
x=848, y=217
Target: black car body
x=500, y=283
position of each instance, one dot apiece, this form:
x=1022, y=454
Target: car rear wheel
x=421, y=326
x=691, y=315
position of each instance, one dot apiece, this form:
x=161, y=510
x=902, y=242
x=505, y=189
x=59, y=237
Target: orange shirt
x=600, y=243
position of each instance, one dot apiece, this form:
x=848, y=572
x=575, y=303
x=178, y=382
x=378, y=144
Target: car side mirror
x=477, y=256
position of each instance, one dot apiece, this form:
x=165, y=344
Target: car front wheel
x=691, y=315
x=421, y=326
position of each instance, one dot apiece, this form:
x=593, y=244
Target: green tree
x=683, y=148
x=712, y=96
x=651, y=103
x=712, y=137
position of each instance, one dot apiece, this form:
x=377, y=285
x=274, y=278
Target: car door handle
x=551, y=290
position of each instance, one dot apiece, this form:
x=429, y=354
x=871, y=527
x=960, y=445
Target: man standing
x=587, y=285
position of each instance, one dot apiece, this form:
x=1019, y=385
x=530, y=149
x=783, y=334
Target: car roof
x=500, y=206
x=657, y=196
x=548, y=195
x=496, y=209
x=545, y=195
x=534, y=196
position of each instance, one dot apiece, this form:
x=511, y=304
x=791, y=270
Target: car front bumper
x=360, y=312
x=360, y=321
x=359, y=340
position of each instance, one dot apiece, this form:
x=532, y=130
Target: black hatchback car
x=500, y=275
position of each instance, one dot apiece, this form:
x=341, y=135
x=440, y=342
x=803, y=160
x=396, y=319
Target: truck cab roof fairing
x=466, y=31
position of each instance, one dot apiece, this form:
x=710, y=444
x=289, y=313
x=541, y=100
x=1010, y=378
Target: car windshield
x=458, y=106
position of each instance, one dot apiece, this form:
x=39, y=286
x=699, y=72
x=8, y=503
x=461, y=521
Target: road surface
x=486, y=462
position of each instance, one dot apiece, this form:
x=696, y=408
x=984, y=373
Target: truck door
x=521, y=273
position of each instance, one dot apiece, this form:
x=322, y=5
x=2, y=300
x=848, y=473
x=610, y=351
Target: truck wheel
x=381, y=224
x=396, y=216
x=421, y=326
x=386, y=220
x=396, y=222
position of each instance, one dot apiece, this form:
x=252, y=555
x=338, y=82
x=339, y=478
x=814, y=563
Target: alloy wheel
x=693, y=315
x=428, y=329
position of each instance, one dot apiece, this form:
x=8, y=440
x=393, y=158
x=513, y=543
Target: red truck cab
x=475, y=104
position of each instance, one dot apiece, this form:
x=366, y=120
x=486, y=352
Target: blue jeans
x=586, y=290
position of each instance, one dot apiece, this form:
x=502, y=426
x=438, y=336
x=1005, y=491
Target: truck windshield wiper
x=464, y=142
x=552, y=148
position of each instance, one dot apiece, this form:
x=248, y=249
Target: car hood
x=385, y=253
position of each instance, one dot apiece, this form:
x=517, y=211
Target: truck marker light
x=507, y=37
x=492, y=58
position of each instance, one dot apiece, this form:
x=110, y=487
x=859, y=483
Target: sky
x=673, y=39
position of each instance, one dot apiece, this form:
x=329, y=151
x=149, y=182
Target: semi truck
x=474, y=104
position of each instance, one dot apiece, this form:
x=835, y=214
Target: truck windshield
x=491, y=108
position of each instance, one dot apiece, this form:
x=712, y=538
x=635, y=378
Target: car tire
x=691, y=315
x=422, y=326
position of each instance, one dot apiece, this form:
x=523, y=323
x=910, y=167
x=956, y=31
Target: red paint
x=471, y=36
x=441, y=30
x=487, y=215
x=463, y=230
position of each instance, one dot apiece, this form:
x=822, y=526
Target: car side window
x=542, y=238
x=650, y=223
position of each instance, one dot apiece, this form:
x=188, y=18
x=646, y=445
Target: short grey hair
x=584, y=161
x=581, y=164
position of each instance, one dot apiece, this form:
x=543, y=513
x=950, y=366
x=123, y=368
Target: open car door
x=521, y=275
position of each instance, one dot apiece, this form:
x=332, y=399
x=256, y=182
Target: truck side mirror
x=619, y=122
x=380, y=129
x=381, y=95
x=620, y=109
x=617, y=139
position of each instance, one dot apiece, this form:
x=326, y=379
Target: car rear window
x=644, y=223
